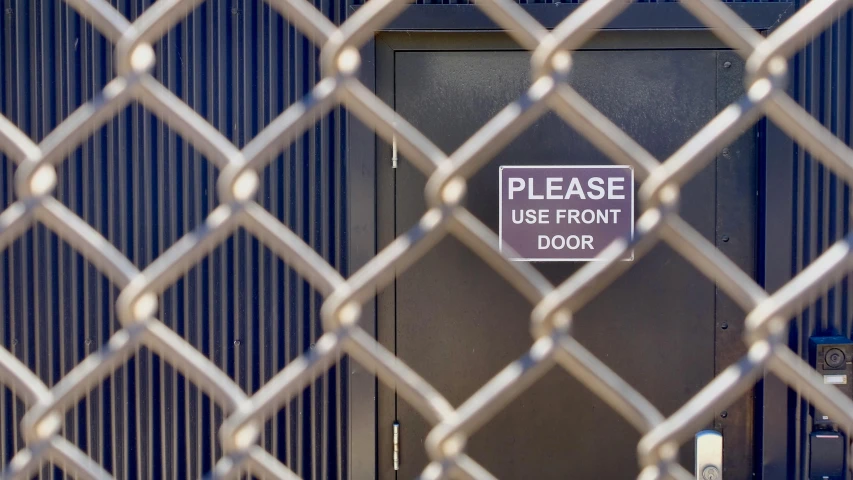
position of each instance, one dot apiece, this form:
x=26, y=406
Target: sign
x=564, y=213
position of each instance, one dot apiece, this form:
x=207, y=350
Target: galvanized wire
x=552, y=305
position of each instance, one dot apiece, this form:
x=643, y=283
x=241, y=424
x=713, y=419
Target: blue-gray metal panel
x=57, y=308
x=822, y=82
x=238, y=64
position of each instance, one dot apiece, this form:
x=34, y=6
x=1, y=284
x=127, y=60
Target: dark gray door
x=458, y=323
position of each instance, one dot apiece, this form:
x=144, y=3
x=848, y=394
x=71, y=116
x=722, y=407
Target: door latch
x=709, y=455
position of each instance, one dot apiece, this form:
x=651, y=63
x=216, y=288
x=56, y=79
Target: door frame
x=673, y=27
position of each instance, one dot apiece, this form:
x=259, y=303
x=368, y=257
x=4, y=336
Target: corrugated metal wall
x=238, y=64
x=822, y=82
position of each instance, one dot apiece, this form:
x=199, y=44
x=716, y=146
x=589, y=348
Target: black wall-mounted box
x=826, y=455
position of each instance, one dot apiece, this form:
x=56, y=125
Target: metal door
x=662, y=327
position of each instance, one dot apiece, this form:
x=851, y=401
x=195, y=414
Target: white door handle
x=709, y=455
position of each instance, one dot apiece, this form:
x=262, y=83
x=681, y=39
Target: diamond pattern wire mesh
x=551, y=318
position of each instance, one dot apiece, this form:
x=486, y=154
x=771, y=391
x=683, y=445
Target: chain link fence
x=552, y=343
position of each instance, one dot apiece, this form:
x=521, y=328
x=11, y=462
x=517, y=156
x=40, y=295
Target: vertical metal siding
x=822, y=82
x=238, y=64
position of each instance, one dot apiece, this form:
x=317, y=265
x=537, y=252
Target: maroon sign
x=564, y=213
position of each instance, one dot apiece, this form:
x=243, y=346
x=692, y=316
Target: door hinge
x=394, y=151
x=396, y=445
